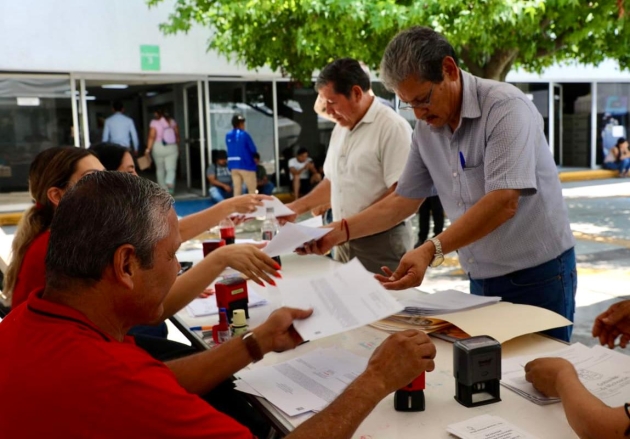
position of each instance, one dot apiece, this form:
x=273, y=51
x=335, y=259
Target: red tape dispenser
x=411, y=397
x=231, y=294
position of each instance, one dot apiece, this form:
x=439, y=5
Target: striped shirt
x=499, y=144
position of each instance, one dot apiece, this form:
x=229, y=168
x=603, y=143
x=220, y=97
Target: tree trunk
x=496, y=67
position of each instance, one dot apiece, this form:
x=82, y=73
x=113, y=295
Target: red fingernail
x=276, y=266
x=272, y=282
x=278, y=275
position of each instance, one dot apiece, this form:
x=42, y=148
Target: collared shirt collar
x=369, y=115
x=43, y=307
x=470, y=100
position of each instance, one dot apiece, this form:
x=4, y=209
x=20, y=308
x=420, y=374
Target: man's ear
x=357, y=93
x=54, y=194
x=450, y=69
x=125, y=265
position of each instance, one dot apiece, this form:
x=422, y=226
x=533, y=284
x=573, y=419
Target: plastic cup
x=209, y=245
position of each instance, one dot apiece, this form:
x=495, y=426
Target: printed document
x=345, y=299
x=291, y=236
x=604, y=372
x=487, y=427
x=307, y=383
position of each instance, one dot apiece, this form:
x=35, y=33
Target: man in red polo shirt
x=67, y=369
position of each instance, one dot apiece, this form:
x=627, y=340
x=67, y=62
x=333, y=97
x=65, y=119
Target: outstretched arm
x=589, y=417
x=395, y=363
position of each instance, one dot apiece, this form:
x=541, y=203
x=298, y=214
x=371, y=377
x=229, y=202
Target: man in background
x=120, y=129
x=241, y=150
x=304, y=174
x=263, y=184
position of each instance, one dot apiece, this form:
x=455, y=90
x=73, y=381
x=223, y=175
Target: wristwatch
x=438, y=257
x=252, y=346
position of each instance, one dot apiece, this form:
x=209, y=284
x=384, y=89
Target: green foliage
x=298, y=37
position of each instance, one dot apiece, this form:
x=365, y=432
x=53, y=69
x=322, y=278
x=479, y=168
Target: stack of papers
x=291, y=236
x=402, y=322
x=208, y=306
x=279, y=209
x=444, y=302
x=304, y=384
x=485, y=427
x=604, y=372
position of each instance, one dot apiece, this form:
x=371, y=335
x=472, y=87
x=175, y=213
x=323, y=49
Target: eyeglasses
x=422, y=104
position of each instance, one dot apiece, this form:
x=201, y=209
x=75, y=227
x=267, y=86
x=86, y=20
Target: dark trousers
x=550, y=285
x=431, y=205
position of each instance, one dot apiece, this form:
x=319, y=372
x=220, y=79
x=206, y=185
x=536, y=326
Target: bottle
x=270, y=228
x=221, y=332
x=226, y=226
x=239, y=322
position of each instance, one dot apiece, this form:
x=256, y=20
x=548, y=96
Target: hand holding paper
x=278, y=207
x=345, y=299
x=291, y=236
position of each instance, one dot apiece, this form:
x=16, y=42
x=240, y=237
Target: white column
x=84, y=117
x=202, y=135
x=209, y=136
x=551, y=117
x=276, y=139
x=593, y=125
x=75, y=112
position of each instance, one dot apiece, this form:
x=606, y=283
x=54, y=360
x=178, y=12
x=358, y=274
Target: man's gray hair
x=417, y=51
x=103, y=211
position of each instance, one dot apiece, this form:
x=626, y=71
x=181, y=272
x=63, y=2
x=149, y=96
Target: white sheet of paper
x=345, y=299
x=306, y=383
x=278, y=207
x=208, y=306
x=503, y=321
x=315, y=221
x=487, y=427
x=291, y=236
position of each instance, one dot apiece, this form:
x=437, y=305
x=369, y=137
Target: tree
x=298, y=37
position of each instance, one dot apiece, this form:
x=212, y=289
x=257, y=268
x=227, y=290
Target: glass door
x=194, y=137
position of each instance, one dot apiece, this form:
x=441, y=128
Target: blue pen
x=461, y=160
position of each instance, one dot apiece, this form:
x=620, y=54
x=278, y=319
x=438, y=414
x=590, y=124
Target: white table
x=441, y=408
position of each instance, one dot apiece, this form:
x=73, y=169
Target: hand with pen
x=613, y=324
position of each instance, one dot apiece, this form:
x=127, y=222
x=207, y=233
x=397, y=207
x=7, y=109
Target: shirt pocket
x=473, y=184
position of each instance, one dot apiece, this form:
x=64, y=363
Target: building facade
x=64, y=62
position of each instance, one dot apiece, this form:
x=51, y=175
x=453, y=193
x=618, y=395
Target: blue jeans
x=218, y=194
x=621, y=166
x=266, y=189
x=551, y=285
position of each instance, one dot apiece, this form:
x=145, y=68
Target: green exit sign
x=150, y=57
